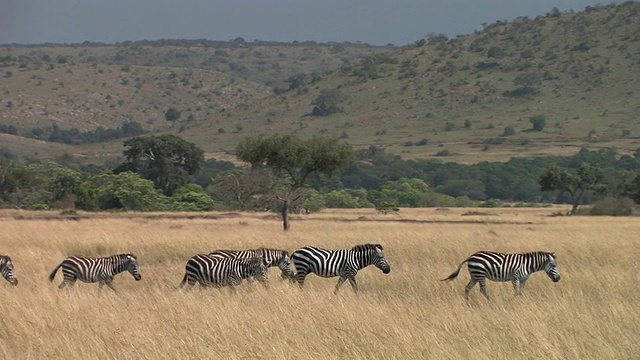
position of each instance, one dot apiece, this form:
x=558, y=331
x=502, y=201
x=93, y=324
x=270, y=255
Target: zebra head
x=284, y=264
x=131, y=262
x=7, y=270
x=374, y=255
x=550, y=267
x=381, y=262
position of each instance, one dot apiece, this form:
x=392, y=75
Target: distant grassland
x=592, y=313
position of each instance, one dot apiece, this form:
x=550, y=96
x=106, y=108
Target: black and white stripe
x=215, y=271
x=272, y=257
x=101, y=270
x=7, y=271
x=506, y=267
x=344, y=263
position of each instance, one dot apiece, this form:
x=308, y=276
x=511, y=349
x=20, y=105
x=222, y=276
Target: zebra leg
x=468, y=288
x=521, y=284
x=67, y=282
x=354, y=285
x=340, y=282
x=109, y=283
x=517, y=286
x=483, y=287
x=300, y=276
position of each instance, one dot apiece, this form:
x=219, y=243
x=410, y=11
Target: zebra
x=7, y=270
x=344, y=263
x=219, y=272
x=272, y=257
x=101, y=270
x=506, y=267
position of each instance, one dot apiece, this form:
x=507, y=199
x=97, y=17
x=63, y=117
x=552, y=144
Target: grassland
x=592, y=313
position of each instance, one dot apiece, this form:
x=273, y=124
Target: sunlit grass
x=592, y=313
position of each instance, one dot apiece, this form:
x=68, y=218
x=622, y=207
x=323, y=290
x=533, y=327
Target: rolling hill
x=524, y=87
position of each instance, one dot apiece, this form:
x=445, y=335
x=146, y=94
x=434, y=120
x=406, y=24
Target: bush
x=612, y=207
x=509, y=131
x=491, y=203
x=538, y=121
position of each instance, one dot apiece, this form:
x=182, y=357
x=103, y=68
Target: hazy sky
x=376, y=22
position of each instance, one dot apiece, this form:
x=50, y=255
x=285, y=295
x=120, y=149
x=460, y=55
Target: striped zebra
x=7, y=270
x=100, y=270
x=272, y=257
x=344, y=263
x=219, y=272
x=506, y=267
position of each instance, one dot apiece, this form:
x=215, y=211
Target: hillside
x=466, y=99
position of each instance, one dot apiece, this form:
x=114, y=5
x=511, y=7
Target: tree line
x=288, y=174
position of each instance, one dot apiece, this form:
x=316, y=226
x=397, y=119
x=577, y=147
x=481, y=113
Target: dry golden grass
x=592, y=313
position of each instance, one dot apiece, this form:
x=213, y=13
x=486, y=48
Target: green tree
x=44, y=185
x=404, y=192
x=122, y=191
x=327, y=102
x=172, y=114
x=630, y=188
x=191, y=197
x=587, y=178
x=528, y=80
x=347, y=198
x=294, y=160
x=167, y=160
x=538, y=121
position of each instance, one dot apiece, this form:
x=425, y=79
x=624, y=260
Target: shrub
x=491, y=203
x=538, y=121
x=612, y=207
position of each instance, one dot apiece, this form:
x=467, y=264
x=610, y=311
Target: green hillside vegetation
x=525, y=87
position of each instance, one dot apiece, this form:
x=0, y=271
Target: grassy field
x=592, y=313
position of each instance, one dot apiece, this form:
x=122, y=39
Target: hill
x=523, y=87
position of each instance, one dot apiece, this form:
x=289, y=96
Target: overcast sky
x=377, y=22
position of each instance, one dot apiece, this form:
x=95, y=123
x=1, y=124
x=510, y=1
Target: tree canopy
x=167, y=160
x=294, y=160
x=588, y=177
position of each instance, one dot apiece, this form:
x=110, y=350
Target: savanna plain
x=592, y=313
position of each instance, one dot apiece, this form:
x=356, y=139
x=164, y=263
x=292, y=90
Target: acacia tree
x=294, y=160
x=587, y=178
x=167, y=160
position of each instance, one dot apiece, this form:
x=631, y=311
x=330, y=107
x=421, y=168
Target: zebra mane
x=366, y=247
x=4, y=259
x=121, y=256
x=281, y=253
x=538, y=253
x=252, y=260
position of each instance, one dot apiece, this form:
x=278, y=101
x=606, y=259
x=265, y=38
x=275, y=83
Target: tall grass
x=592, y=313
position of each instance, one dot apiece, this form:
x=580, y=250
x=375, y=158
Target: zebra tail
x=455, y=273
x=53, y=273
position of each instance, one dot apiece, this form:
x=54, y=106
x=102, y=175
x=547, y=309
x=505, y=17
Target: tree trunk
x=286, y=203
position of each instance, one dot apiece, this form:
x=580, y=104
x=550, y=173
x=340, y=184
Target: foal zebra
x=218, y=272
x=506, y=267
x=7, y=271
x=344, y=263
x=101, y=270
x=272, y=257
